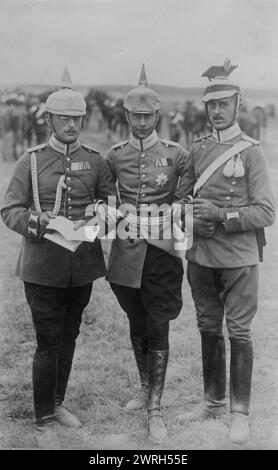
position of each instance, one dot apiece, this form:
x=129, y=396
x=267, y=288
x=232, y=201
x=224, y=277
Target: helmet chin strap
x=236, y=112
x=153, y=128
x=238, y=105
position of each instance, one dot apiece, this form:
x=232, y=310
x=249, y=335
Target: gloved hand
x=204, y=209
x=44, y=219
x=204, y=228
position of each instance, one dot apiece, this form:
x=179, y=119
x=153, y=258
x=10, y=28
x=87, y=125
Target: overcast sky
x=105, y=41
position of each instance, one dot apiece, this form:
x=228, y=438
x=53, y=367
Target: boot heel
x=156, y=427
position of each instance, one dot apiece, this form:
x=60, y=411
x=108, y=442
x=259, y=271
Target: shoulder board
x=90, y=149
x=203, y=137
x=250, y=139
x=169, y=143
x=37, y=147
x=120, y=145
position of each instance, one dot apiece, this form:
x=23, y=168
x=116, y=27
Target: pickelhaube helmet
x=220, y=85
x=142, y=99
x=66, y=101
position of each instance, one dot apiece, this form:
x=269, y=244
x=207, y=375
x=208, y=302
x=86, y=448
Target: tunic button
x=67, y=169
x=68, y=159
x=228, y=198
x=143, y=154
x=144, y=185
x=199, y=195
x=69, y=199
x=233, y=183
x=69, y=188
x=144, y=176
x=143, y=195
x=143, y=166
x=68, y=178
x=231, y=191
x=70, y=207
x=69, y=216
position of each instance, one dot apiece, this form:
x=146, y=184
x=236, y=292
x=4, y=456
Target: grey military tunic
x=144, y=176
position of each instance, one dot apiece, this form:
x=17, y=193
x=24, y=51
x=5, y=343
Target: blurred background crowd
x=22, y=123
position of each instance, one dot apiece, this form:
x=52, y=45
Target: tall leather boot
x=62, y=415
x=44, y=385
x=241, y=367
x=158, y=361
x=214, y=377
x=140, y=349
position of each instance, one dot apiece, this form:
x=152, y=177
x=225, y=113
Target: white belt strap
x=231, y=152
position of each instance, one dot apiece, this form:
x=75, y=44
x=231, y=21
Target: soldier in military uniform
x=61, y=177
x=231, y=192
x=146, y=275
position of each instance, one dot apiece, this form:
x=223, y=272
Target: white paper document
x=60, y=231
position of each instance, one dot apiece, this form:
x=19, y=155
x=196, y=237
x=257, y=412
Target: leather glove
x=204, y=228
x=204, y=209
x=44, y=219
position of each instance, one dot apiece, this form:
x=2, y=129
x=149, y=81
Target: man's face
x=142, y=124
x=222, y=112
x=65, y=128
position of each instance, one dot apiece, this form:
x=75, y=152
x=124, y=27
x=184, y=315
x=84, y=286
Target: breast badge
x=161, y=179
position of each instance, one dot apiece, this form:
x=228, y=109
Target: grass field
x=104, y=375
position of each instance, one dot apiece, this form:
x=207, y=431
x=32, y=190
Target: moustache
x=217, y=117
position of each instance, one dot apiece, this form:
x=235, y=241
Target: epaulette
x=250, y=139
x=90, y=149
x=37, y=147
x=169, y=143
x=203, y=137
x=120, y=145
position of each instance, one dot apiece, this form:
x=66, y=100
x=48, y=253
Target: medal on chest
x=161, y=179
x=234, y=168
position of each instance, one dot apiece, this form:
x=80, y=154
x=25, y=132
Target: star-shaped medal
x=161, y=179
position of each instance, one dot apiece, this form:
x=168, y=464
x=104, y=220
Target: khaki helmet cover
x=66, y=101
x=142, y=99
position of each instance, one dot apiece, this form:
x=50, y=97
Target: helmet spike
x=142, y=99
x=65, y=79
x=143, y=77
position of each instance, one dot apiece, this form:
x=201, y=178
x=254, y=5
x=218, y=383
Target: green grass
x=104, y=375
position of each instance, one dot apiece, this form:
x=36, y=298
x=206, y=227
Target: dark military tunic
x=144, y=175
x=87, y=178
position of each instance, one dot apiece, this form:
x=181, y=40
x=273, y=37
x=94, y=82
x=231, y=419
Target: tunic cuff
x=232, y=222
x=33, y=225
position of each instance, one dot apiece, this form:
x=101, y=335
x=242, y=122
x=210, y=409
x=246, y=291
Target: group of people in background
x=22, y=122
x=223, y=179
